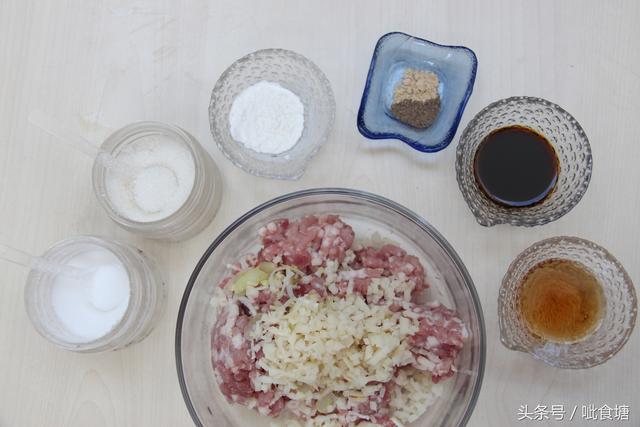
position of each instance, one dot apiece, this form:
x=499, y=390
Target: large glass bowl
x=367, y=213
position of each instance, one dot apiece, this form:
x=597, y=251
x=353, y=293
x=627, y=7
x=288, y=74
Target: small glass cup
x=202, y=203
x=146, y=299
x=561, y=130
x=619, y=315
x=294, y=72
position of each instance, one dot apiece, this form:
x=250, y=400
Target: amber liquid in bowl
x=561, y=300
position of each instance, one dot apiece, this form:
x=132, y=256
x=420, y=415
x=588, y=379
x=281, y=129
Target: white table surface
x=97, y=65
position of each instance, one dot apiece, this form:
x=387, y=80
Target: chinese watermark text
x=559, y=412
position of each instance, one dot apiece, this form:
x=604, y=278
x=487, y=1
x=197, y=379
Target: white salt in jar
x=164, y=184
x=115, y=301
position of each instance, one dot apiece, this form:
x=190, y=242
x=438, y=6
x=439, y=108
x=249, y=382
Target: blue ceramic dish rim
x=444, y=143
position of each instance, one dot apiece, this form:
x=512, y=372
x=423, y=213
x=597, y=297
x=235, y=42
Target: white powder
x=156, y=181
x=267, y=118
x=90, y=306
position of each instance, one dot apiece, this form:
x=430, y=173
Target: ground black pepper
x=416, y=101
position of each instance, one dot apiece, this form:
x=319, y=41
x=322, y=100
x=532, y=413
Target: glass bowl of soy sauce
x=523, y=161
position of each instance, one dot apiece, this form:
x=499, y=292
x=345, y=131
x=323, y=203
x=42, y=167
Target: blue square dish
x=455, y=67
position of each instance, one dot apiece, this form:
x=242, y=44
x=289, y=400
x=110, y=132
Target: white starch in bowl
x=89, y=307
x=156, y=181
x=267, y=118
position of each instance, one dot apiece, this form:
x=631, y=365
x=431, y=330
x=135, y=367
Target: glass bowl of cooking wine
x=568, y=302
x=523, y=161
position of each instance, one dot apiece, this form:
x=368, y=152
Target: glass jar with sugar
x=105, y=295
x=159, y=183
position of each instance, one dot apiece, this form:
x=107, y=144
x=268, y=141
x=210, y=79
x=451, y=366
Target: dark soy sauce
x=516, y=166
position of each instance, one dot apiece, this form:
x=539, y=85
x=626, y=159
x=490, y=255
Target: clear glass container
x=146, y=299
x=200, y=206
x=291, y=71
x=455, y=67
x=610, y=335
x=367, y=213
x=562, y=131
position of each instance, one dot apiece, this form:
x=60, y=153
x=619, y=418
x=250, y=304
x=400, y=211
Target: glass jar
x=200, y=206
x=147, y=296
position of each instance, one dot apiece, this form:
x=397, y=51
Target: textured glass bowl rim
x=357, y=194
x=479, y=213
x=325, y=136
x=446, y=140
x=557, y=241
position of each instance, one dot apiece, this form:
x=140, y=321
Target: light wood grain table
x=97, y=65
